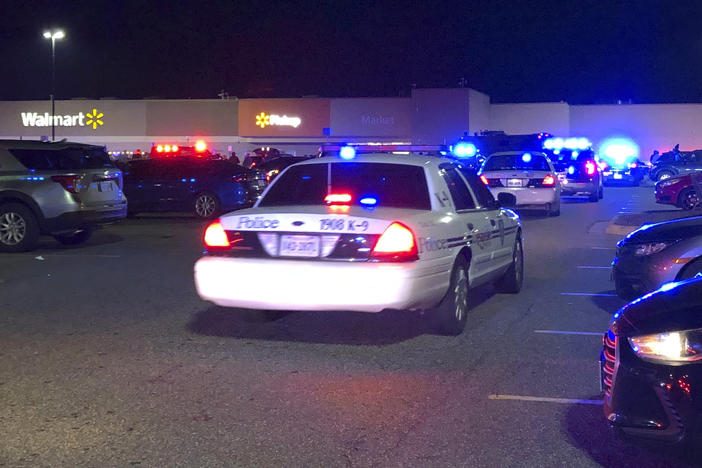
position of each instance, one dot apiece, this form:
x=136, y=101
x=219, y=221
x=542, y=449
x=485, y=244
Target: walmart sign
x=91, y=119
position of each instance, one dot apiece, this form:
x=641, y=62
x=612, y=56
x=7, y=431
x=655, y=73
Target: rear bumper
x=84, y=219
x=531, y=197
x=273, y=284
x=570, y=188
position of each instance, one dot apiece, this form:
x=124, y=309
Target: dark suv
x=578, y=174
x=60, y=189
x=671, y=164
x=203, y=186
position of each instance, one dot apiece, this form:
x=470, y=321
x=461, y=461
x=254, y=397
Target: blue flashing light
x=306, y=177
x=347, y=152
x=571, y=170
x=192, y=180
x=183, y=180
x=369, y=201
x=464, y=150
x=556, y=151
x=619, y=151
x=526, y=157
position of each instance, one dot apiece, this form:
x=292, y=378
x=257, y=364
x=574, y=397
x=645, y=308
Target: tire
x=19, y=229
x=691, y=270
x=452, y=312
x=75, y=238
x=511, y=282
x=594, y=197
x=206, y=205
x=664, y=174
x=554, y=211
x=687, y=200
x=600, y=194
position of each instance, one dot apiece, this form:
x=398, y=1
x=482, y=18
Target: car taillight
x=548, y=180
x=633, y=165
x=68, y=182
x=216, y=236
x=484, y=179
x=396, y=243
x=239, y=178
x=590, y=167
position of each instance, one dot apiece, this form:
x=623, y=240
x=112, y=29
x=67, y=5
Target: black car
x=205, y=187
x=272, y=167
x=579, y=174
x=651, y=364
x=671, y=164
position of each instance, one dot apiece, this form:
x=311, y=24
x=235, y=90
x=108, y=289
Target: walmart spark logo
x=262, y=120
x=94, y=119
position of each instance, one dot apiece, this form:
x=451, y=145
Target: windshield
x=391, y=185
x=526, y=161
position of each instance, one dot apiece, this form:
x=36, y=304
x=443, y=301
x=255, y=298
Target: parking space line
x=603, y=248
x=566, y=401
x=589, y=267
x=82, y=255
x=563, y=332
x=588, y=294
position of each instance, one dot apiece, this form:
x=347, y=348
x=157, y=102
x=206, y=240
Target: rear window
x=67, y=159
x=392, y=185
x=506, y=162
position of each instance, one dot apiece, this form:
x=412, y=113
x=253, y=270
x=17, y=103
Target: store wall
x=478, y=111
x=192, y=117
x=372, y=118
x=650, y=126
x=439, y=116
x=552, y=117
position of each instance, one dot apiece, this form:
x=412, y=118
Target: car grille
x=609, y=355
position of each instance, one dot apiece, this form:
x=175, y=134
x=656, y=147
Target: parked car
x=678, y=191
x=272, y=167
x=671, y=164
x=530, y=177
x=630, y=172
x=651, y=364
x=205, y=187
x=656, y=254
x=579, y=174
x=59, y=189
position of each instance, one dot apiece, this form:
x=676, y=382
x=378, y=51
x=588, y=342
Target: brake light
x=590, y=167
x=68, y=182
x=633, y=165
x=200, y=146
x=337, y=198
x=397, y=243
x=548, y=180
x=484, y=179
x=216, y=236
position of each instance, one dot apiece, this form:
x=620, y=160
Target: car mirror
x=506, y=199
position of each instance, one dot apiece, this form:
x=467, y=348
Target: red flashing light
x=200, y=146
x=216, y=236
x=338, y=198
x=590, y=167
x=68, y=182
x=484, y=179
x=159, y=148
x=548, y=180
x=397, y=242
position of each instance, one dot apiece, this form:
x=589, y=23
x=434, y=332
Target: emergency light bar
x=350, y=150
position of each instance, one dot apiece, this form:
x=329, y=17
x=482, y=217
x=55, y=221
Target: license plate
x=299, y=246
x=105, y=186
x=617, y=176
x=514, y=182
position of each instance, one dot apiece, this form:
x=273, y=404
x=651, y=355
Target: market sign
x=35, y=119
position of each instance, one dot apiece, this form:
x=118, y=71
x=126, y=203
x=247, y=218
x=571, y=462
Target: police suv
x=365, y=232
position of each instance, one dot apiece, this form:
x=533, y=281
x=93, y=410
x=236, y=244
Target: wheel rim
x=460, y=294
x=13, y=228
x=205, y=205
x=690, y=200
x=665, y=175
x=518, y=262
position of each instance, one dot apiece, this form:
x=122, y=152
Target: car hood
x=668, y=230
x=675, y=306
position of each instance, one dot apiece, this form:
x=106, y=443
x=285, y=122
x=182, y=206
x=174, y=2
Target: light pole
x=53, y=35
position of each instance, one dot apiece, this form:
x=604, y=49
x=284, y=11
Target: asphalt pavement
x=109, y=358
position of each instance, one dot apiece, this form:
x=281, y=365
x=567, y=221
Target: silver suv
x=59, y=189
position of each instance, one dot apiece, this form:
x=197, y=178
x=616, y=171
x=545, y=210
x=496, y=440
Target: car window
x=482, y=193
x=70, y=159
x=144, y=168
x=390, y=185
x=462, y=199
x=526, y=161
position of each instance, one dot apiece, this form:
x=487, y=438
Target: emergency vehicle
x=363, y=229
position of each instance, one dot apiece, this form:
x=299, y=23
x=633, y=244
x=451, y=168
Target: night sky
x=516, y=51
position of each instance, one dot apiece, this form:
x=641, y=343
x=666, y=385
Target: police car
x=365, y=232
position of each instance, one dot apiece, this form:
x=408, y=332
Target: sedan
x=678, y=191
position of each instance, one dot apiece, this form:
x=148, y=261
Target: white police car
x=365, y=232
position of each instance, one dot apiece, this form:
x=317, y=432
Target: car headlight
x=667, y=183
x=678, y=346
x=650, y=248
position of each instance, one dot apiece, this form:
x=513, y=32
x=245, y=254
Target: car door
x=138, y=184
x=475, y=224
x=500, y=222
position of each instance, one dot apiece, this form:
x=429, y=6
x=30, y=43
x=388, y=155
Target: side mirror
x=506, y=199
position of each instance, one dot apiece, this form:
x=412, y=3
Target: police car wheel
x=601, y=193
x=452, y=312
x=206, y=205
x=19, y=230
x=594, y=197
x=511, y=281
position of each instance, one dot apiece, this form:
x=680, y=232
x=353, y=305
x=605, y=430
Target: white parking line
x=588, y=294
x=589, y=267
x=566, y=401
x=603, y=248
x=562, y=332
